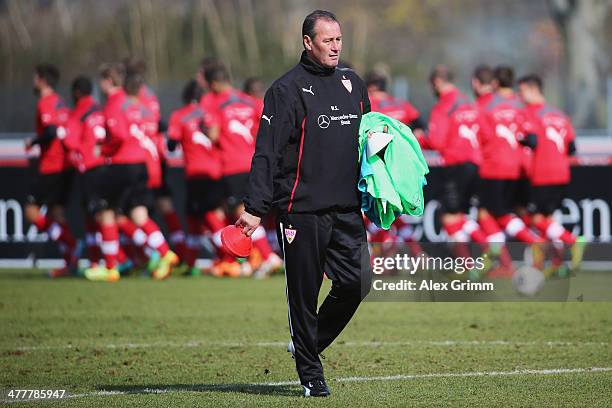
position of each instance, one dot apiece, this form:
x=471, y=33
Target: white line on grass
x=198, y=344
x=399, y=377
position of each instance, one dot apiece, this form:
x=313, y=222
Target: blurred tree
x=263, y=37
x=582, y=25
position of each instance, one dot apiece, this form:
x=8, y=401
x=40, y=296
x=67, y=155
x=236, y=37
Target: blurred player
x=254, y=87
x=503, y=83
x=403, y=111
x=206, y=63
x=125, y=181
x=111, y=81
x=189, y=126
x=550, y=173
x=482, y=85
x=238, y=115
x=86, y=129
x=161, y=190
x=215, y=219
x=396, y=108
x=51, y=187
x=503, y=130
x=453, y=131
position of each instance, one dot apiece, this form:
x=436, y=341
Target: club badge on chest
x=347, y=84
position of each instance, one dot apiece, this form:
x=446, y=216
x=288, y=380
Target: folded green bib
x=391, y=182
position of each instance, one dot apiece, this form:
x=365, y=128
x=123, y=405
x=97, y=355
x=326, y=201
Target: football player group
x=118, y=154
x=509, y=152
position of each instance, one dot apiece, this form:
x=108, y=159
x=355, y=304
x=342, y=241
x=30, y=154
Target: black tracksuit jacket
x=306, y=155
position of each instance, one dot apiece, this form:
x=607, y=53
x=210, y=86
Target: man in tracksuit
x=306, y=168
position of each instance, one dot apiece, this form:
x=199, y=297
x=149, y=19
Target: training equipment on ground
x=528, y=281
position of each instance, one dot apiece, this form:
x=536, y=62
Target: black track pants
x=333, y=243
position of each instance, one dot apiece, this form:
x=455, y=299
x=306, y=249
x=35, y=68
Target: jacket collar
x=313, y=66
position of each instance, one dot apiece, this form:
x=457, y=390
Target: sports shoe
x=166, y=263
x=72, y=263
x=102, y=274
x=193, y=271
x=538, y=255
x=60, y=272
x=182, y=269
x=316, y=388
x=125, y=267
x=154, y=261
x=230, y=269
x=564, y=272
x=577, y=252
x=269, y=266
x=557, y=271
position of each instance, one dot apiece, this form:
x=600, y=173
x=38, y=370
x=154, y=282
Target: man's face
x=215, y=86
x=435, y=84
x=201, y=80
x=76, y=95
x=476, y=87
x=105, y=85
x=37, y=82
x=528, y=93
x=257, y=90
x=36, y=85
x=326, y=46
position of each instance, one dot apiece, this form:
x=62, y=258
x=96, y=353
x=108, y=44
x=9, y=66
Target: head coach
x=305, y=169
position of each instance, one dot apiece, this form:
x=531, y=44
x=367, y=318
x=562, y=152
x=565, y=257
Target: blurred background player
x=189, y=126
x=453, y=131
x=125, y=182
x=86, y=130
x=396, y=108
x=214, y=219
x=550, y=172
x=51, y=187
x=405, y=112
x=162, y=194
x=238, y=117
x=207, y=101
x=503, y=128
x=111, y=185
x=503, y=83
x=482, y=85
x=254, y=87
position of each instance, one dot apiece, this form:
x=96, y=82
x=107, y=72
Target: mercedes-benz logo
x=323, y=121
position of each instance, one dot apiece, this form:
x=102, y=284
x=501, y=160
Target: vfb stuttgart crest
x=290, y=234
x=347, y=84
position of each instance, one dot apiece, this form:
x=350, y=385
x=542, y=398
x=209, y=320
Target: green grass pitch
x=221, y=342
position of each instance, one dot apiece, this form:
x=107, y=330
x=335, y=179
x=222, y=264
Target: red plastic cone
x=235, y=242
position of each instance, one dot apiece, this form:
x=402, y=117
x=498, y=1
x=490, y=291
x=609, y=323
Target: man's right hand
x=248, y=223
